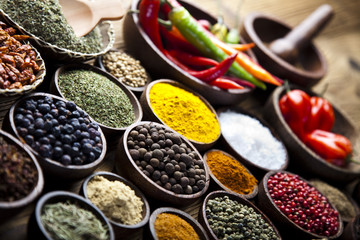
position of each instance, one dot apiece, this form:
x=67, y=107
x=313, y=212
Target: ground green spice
x=97, y=95
x=44, y=19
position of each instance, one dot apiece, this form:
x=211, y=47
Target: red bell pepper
x=226, y=84
x=322, y=115
x=295, y=107
x=333, y=147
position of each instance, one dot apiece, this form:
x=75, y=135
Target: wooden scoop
x=299, y=37
x=84, y=15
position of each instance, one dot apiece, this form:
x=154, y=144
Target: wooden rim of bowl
x=242, y=159
x=100, y=63
x=63, y=196
x=234, y=197
x=159, y=188
x=250, y=28
x=38, y=186
x=48, y=160
x=213, y=177
x=200, y=231
x=180, y=85
x=275, y=97
x=264, y=187
x=137, y=110
x=114, y=177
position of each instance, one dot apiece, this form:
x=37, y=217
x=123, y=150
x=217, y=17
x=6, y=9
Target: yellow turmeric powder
x=230, y=172
x=172, y=227
x=184, y=112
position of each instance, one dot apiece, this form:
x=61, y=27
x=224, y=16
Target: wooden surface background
x=339, y=42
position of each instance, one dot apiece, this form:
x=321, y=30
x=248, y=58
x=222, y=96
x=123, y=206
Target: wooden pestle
x=299, y=37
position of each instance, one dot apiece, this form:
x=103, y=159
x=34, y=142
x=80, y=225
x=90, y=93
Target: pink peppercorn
x=303, y=204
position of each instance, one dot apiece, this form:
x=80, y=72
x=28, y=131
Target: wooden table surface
x=339, y=42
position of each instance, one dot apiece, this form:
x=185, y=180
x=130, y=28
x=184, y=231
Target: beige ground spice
x=116, y=200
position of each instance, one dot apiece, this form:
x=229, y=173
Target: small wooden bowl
x=235, y=197
x=262, y=29
x=51, y=167
x=351, y=231
x=112, y=134
x=36, y=229
x=197, y=227
x=259, y=171
x=266, y=203
x=302, y=156
x=149, y=113
x=220, y=185
x=121, y=230
x=155, y=61
x=135, y=90
x=9, y=207
x=125, y=164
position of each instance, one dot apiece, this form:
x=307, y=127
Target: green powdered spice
x=66, y=221
x=97, y=95
x=44, y=19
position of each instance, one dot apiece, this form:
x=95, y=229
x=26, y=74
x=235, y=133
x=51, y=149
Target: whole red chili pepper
x=148, y=18
x=192, y=60
x=226, y=84
x=239, y=81
x=322, y=115
x=333, y=147
x=295, y=107
x=174, y=38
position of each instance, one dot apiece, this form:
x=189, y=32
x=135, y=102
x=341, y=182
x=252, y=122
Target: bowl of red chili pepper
x=319, y=137
x=189, y=53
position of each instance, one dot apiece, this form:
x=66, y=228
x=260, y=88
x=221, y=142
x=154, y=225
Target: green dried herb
x=68, y=221
x=18, y=174
x=44, y=19
x=97, y=95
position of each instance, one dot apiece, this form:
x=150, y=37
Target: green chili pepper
x=232, y=36
x=196, y=35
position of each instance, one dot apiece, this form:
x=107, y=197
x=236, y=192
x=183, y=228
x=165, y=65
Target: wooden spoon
x=84, y=15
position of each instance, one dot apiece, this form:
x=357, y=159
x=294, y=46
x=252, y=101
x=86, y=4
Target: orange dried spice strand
x=172, y=227
x=230, y=173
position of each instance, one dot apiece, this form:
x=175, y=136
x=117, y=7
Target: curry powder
x=172, y=227
x=184, y=112
x=230, y=172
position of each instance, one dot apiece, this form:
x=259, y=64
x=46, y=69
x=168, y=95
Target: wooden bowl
x=197, y=227
x=160, y=66
x=121, y=230
x=9, y=207
x=149, y=113
x=266, y=203
x=256, y=169
x=351, y=231
x=235, y=197
x=51, y=167
x=135, y=90
x=262, y=29
x=112, y=134
x=303, y=157
x=36, y=229
x=220, y=185
x=56, y=53
x=125, y=165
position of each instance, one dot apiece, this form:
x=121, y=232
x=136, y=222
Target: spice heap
x=101, y=98
x=17, y=61
x=163, y=156
x=67, y=221
x=170, y=226
x=303, y=204
x=184, y=112
x=230, y=219
x=58, y=130
x=115, y=199
x=45, y=19
x=125, y=68
x=18, y=174
x=337, y=198
x=252, y=140
x=230, y=172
